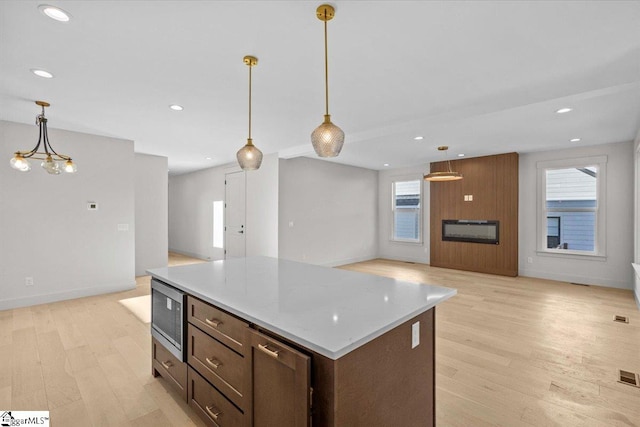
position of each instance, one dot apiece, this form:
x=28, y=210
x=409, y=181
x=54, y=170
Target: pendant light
x=448, y=175
x=249, y=157
x=327, y=139
x=53, y=162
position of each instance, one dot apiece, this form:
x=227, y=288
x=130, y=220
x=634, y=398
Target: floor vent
x=621, y=319
x=409, y=262
x=629, y=378
x=579, y=284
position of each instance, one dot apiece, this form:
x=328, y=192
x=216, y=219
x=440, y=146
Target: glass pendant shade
x=249, y=157
x=20, y=163
x=52, y=167
x=327, y=139
x=70, y=167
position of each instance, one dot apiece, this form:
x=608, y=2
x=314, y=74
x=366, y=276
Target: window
x=571, y=206
x=407, y=211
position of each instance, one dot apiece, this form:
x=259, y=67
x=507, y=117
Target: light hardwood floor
x=510, y=352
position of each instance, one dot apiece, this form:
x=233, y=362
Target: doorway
x=235, y=214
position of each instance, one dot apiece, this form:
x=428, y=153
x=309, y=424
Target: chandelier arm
x=326, y=66
x=28, y=154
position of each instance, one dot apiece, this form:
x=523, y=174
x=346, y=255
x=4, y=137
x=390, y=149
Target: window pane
x=406, y=200
x=571, y=195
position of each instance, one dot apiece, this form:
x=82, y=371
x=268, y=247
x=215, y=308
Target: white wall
x=151, y=212
x=415, y=252
x=333, y=208
x=615, y=270
x=191, y=198
x=46, y=231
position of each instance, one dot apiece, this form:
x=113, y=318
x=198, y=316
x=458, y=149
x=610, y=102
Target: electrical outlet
x=530, y=260
x=28, y=281
x=415, y=335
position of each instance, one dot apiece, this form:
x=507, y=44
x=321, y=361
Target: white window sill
x=406, y=242
x=564, y=253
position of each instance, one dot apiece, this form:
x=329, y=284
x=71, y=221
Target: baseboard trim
x=8, y=304
x=348, y=261
x=418, y=260
x=190, y=254
x=587, y=280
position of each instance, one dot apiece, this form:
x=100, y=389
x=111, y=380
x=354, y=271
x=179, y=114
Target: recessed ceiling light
x=55, y=13
x=575, y=140
x=42, y=73
x=208, y=158
x=461, y=155
x=564, y=110
x=176, y=107
x=419, y=138
x=386, y=164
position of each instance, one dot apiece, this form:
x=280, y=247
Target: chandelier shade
x=53, y=162
x=448, y=175
x=327, y=139
x=249, y=157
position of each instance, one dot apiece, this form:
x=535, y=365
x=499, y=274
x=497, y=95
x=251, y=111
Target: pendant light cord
x=250, y=67
x=326, y=66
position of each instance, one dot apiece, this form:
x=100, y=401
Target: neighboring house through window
x=407, y=211
x=571, y=206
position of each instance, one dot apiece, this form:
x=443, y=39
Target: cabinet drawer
x=211, y=405
x=220, y=325
x=170, y=368
x=222, y=367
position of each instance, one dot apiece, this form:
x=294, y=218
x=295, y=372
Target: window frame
x=393, y=237
x=599, y=251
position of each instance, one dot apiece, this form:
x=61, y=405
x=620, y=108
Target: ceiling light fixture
x=386, y=164
x=419, y=138
x=55, y=13
x=53, y=163
x=564, y=110
x=249, y=157
x=461, y=155
x=176, y=107
x=327, y=139
x=42, y=73
x=575, y=140
x=449, y=175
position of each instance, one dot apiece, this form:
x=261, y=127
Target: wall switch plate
x=530, y=260
x=415, y=335
x=123, y=227
x=290, y=224
x=28, y=281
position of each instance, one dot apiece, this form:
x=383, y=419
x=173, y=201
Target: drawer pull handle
x=166, y=365
x=265, y=348
x=213, y=412
x=215, y=363
x=213, y=322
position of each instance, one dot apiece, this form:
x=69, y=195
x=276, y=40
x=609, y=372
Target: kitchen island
x=276, y=343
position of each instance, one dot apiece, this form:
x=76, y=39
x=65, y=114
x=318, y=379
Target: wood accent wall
x=493, y=182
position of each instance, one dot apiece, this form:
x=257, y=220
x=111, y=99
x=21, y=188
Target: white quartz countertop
x=327, y=310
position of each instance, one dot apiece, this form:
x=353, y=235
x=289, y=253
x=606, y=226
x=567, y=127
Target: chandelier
x=53, y=162
x=448, y=175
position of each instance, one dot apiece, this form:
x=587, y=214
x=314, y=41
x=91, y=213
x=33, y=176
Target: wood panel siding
x=493, y=183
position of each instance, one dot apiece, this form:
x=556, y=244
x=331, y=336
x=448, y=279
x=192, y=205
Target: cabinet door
x=280, y=384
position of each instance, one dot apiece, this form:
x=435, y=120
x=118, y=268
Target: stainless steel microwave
x=168, y=317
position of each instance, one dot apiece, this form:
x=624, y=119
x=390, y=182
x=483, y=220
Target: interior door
x=235, y=214
x=281, y=381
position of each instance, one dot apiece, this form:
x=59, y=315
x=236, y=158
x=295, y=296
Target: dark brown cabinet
x=169, y=367
x=281, y=377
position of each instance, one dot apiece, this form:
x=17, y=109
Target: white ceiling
x=483, y=77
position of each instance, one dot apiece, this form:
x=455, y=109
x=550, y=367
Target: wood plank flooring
x=510, y=352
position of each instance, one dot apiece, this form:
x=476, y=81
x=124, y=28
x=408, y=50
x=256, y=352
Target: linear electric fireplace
x=467, y=230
